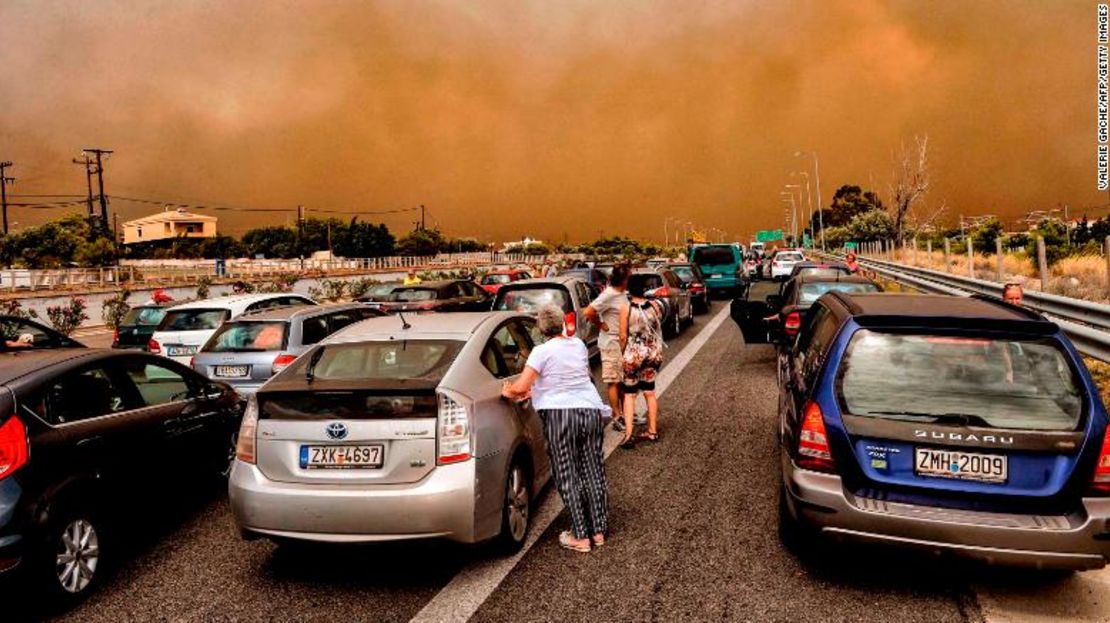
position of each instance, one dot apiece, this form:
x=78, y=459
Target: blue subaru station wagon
x=952, y=425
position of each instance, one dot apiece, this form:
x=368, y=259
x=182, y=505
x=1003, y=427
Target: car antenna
x=404, y=323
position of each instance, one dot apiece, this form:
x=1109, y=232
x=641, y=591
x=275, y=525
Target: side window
x=451, y=291
x=293, y=300
x=821, y=330
x=341, y=319
x=157, y=384
x=507, y=350
x=83, y=395
x=584, y=293
x=470, y=289
x=535, y=338
x=266, y=304
x=314, y=329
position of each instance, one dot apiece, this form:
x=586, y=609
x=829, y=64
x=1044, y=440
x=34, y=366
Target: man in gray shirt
x=605, y=312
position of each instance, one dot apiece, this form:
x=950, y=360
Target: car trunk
x=348, y=436
x=984, y=423
x=716, y=262
x=133, y=336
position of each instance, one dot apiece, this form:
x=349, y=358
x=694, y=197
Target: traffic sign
x=851, y=246
x=768, y=235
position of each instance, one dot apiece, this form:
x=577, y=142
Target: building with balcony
x=168, y=225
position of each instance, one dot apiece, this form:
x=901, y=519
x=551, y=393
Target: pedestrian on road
x=557, y=377
x=641, y=341
x=605, y=312
x=550, y=270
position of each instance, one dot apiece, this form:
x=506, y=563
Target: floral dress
x=644, y=353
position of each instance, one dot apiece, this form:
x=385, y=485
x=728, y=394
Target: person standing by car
x=557, y=377
x=605, y=312
x=641, y=342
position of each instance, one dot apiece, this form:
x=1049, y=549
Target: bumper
x=1078, y=541
x=440, y=505
x=723, y=283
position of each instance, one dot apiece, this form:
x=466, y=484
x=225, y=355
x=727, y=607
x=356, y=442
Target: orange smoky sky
x=557, y=120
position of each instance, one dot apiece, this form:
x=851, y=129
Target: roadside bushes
x=114, y=309
x=66, y=318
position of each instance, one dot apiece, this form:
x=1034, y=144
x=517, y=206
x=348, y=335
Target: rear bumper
x=723, y=283
x=440, y=505
x=1078, y=541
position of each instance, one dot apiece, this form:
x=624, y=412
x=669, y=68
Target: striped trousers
x=574, y=447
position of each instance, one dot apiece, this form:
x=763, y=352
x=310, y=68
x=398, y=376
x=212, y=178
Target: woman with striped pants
x=557, y=378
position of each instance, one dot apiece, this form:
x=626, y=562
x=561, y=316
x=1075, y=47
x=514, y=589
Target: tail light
x=775, y=263
x=570, y=323
x=426, y=306
x=282, y=362
x=115, y=336
x=662, y=293
x=245, y=444
x=453, y=433
x=192, y=363
x=1100, y=483
x=13, y=446
x=153, y=346
x=792, y=323
x=814, y=452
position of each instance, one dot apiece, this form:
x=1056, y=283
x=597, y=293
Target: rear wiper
x=310, y=371
x=964, y=419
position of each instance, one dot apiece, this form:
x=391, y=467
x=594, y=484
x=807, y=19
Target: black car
x=694, y=283
x=137, y=327
x=452, y=295
x=787, y=309
x=82, y=433
x=825, y=269
x=596, y=278
x=18, y=333
x=663, y=284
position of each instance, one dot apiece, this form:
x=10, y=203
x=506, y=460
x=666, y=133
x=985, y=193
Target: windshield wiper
x=310, y=371
x=965, y=419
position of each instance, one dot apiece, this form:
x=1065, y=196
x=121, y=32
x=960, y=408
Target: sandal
x=628, y=443
x=652, y=437
x=566, y=541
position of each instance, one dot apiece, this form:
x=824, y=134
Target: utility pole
x=300, y=234
x=4, y=181
x=422, y=217
x=100, y=153
x=88, y=164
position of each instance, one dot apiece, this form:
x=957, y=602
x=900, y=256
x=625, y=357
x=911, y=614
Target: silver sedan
x=394, y=428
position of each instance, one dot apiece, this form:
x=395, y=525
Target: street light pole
x=797, y=187
x=820, y=208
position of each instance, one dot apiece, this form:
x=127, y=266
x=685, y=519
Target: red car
x=494, y=279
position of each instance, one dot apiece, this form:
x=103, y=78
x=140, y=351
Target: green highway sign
x=768, y=235
x=851, y=246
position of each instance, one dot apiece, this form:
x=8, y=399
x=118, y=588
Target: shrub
x=334, y=289
x=14, y=308
x=114, y=309
x=204, y=286
x=66, y=318
x=358, y=287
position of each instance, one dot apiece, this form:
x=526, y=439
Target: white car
x=782, y=263
x=186, y=327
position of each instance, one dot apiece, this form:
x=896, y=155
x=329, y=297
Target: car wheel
x=798, y=538
x=516, y=512
x=69, y=562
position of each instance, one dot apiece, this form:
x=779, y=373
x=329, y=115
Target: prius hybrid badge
x=337, y=430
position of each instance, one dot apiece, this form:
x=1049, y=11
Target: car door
x=586, y=330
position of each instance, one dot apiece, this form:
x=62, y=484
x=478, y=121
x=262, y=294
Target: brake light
x=662, y=292
x=814, y=452
x=115, y=336
x=13, y=446
x=570, y=323
x=153, y=346
x=426, y=306
x=282, y=362
x=775, y=263
x=792, y=324
x=192, y=360
x=245, y=444
x=1100, y=483
x=453, y=432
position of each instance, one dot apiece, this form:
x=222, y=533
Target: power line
x=201, y=206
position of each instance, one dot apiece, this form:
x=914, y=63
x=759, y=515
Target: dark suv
x=454, y=295
x=79, y=429
x=950, y=425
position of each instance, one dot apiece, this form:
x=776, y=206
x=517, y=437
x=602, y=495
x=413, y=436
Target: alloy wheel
x=78, y=556
x=516, y=503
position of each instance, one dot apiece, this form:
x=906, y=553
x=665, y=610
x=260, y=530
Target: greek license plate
x=232, y=371
x=342, y=457
x=960, y=465
x=181, y=351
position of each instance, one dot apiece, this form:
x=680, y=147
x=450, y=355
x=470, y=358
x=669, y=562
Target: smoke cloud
x=549, y=119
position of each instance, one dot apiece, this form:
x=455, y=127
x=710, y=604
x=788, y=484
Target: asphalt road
x=694, y=538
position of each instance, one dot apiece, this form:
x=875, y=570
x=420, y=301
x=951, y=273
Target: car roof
x=291, y=311
x=506, y=271
x=560, y=280
x=234, y=300
x=429, y=285
x=15, y=363
x=938, y=310
x=839, y=277
x=820, y=264
x=451, y=326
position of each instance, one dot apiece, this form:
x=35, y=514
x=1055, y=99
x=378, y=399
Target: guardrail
x=1084, y=322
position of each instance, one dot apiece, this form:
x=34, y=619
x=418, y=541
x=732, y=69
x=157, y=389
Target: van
x=723, y=267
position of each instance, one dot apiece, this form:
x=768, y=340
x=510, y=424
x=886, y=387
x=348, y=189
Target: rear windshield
x=813, y=291
x=685, y=273
x=529, y=300
x=144, y=317
x=378, y=293
x=345, y=405
x=407, y=295
x=248, y=337
x=642, y=282
x=788, y=257
x=193, y=319
x=820, y=271
x=426, y=360
x=999, y=383
x=490, y=280
x=713, y=256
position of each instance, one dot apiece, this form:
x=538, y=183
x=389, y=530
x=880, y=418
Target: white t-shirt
x=564, y=380
x=608, y=306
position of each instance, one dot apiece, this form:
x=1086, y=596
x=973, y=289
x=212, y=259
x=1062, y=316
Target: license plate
x=716, y=276
x=181, y=351
x=960, y=465
x=232, y=371
x=342, y=457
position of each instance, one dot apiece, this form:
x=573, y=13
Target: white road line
x=472, y=585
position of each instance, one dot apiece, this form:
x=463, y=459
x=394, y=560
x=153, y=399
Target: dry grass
x=1100, y=372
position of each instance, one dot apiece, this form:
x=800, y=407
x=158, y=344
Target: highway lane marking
x=473, y=584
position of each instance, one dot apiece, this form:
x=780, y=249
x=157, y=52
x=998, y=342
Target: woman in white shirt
x=557, y=377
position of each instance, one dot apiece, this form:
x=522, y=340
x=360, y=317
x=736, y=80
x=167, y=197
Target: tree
x=985, y=235
x=221, y=246
x=1055, y=236
x=420, y=242
x=362, y=240
x=869, y=226
x=848, y=202
x=99, y=252
x=911, y=182
x=279, y=242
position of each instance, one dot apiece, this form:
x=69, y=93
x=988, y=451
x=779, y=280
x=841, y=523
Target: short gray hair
x=549, y=320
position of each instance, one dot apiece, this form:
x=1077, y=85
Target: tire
x=68, y=564
x=516, y=510
x=798, y=538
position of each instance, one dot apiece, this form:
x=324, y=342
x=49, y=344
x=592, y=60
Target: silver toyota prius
x=395, y=428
